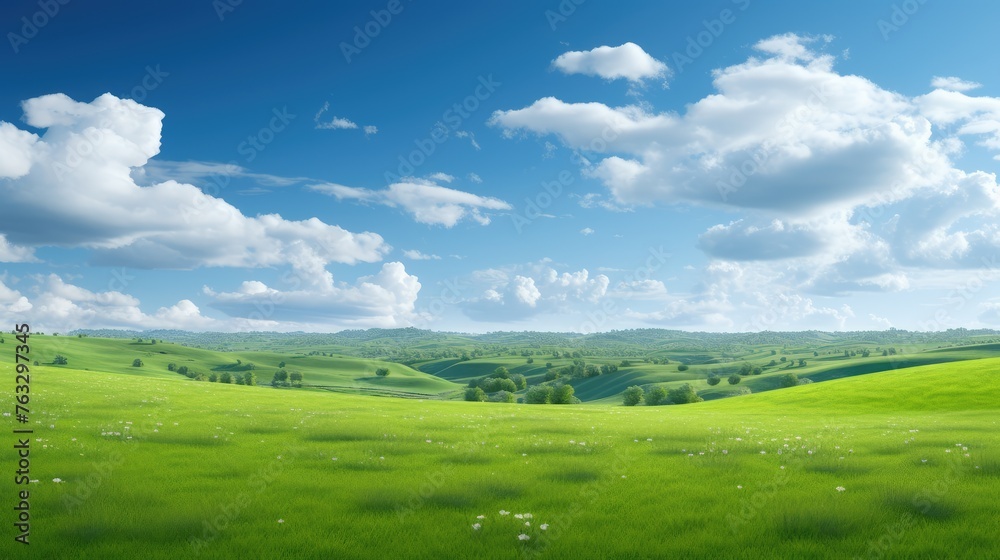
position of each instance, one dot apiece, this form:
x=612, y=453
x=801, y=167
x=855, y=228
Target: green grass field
x=152, y=465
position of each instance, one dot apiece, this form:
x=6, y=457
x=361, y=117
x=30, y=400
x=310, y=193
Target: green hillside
x=157, y=467
x=334, y=373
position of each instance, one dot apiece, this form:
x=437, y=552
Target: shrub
x=213, y=377
x=563, y=394
x=519, y=380
x=757, y=370
x=500, y=373
x=548, y=364
x=682, y=367
x=734, y=379
x=183, y=370
x=382, y=371
x=281, y=365
x=249, y=379
x=239, y=379
x=713, y=380
x=632, y=396
x=502, y=396
x=551, y=375
x=805, y=381
x=656, y=396
x=789, y=380
x=745, y=369
x=171, y=367
x=684, y=394
x=137, y=363
x=226, y=377
x=538, y=394
x=60, y=360
x=531, y=360
x=475, y=394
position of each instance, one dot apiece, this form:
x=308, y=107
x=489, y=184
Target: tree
x=531, y=360
x=500, y=373
x=684, y=394
x=520, y=381
x=734, y=379
x=745, y=369
x=382, y=371
x=625, y=363
x=802, y=362
x=656, y=396
x=281, y=365
x=788, y=380
x=563, y=394
x=632, y=396
x=551, y=375
x=591, y=370
x=757, y=370
x=239, y=379
x=213, y=377
x=296, y=379
x=682, y=367
x=783, y=359
x=60, y=360
x=137, y=363
x=475, y=394
x=548, y=364
x=171, y=367
x=713, y=380
x=772, y=363
x=226, y=377
x=280, y=378
x=249, y=379
x=502, y=396
x=183, y=370
x=773, y=351
x=815, y=353
x=538, y=394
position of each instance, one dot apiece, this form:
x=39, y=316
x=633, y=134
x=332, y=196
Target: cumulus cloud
x=78, y=175
x=815, y=162
x=587, y=231
x=425, y=200
x=385, y=299
x=523, y=291
x=60, y=306
x=626, y=61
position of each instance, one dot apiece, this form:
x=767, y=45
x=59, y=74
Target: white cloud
x=441, y=177
x=587, y=231
x=523, y=291
x=952, y=83
x=416, y=255
x=334, y=123
x=12, y=253
x=627, y=61
x=199, y=173
x=426, y=201
x=385, y=300
x=470, y=136
x=640, y=289
x=80, y=178
x=809, y=158
x=370, y=130
x=475, y=178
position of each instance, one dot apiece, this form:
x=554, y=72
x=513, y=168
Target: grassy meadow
x=899, y=464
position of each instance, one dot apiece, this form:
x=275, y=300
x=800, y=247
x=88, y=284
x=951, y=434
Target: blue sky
x=577, y=166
